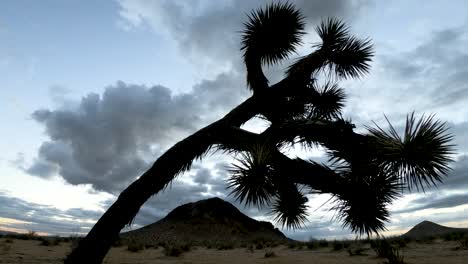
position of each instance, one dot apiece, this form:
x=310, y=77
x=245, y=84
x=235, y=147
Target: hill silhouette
x=206, y=221
x=427, y=229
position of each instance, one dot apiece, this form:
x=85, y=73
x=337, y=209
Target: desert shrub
x=428, y=239
x=339, y=245
x=270, y=254
x=75, y=240
x=400, y=242
x=300, y=245
x=161, y=244
x=273, y=244
x=45, y=242
x=49, y=242
x=357, y=251
x=9, y=241
x=250, y=248
x=172, y=251
x=32, y=234
x=453, y=236
x=323, y=243
x=135, y=247
x=311, y=245
x=464, y=243
x=225, y=246
x=149, y=246
x=381, y=247
x=175, y=250
x=394, y=257
x=185, y=247
x=259, y=245
x=117, y=243
x=5, y=248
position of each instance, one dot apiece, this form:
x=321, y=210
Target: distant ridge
x=8, y=233
x=206, y=221
x=427, y=228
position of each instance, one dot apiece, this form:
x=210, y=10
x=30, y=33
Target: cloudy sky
x=92, y=92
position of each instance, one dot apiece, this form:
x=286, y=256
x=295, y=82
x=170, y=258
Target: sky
x=92, y=92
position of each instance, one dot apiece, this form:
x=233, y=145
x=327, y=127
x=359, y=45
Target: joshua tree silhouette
x=367, y=172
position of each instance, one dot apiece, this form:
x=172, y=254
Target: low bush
x=49, y=241
x=4, y=248
x=401, y=242
x=381, y=247
x=339, y=245
x=394, y=257
x=323, y=243
x=225, y=246
x=357, y=251
x=311, y=245
x=172, y=251
x=135, y=247
x=270, y=254
x=250, y=248
x=464, y=243
x=453, y=236
x=117, y=243
x=259, y=245
x=175, y=250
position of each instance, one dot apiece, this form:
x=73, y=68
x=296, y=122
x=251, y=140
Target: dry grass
x=439, y=251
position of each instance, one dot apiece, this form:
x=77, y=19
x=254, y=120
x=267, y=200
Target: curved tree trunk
x=226, y=131
x=93, y=248
x=97, y=243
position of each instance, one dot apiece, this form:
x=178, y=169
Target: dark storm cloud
x=110, y=139
x=43, y=218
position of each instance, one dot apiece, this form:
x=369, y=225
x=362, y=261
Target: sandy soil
x=30, y=251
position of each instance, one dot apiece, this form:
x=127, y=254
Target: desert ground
x=437, y=251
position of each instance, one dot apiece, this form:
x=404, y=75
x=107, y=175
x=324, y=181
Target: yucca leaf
x=342, y=54
x=420, y=157
x=289, y=207
x=327, y=103
x=273, y=33
x=362, y=205
x=252, y=178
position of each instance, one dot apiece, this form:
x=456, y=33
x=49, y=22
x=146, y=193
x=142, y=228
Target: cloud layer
x=109, y=139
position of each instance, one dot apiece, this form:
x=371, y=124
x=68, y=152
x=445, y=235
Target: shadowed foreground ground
x=30, y=251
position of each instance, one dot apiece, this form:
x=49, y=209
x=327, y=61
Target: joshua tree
x=366, y=170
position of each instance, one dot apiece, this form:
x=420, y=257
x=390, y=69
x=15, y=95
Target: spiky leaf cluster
x=368, y=190
x=289, y=207
x=273, y=33
x=252, y=178
x=419, y=158
x=327, y=102
x=342, y=54
x=255, y=181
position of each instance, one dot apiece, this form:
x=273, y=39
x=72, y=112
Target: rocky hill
x=207, y=221
x=427, y=229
